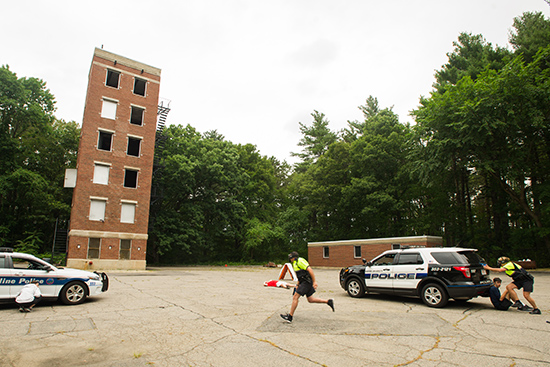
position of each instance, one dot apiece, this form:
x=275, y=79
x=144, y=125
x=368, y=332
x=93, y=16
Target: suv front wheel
x=355, y=288
x=434, y=295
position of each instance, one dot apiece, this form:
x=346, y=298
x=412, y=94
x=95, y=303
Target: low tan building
x=351, y=252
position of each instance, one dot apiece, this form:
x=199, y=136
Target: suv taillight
x=464, y=270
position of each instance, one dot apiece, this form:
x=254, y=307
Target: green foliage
x=35, y=148
x=531, y=33
x=220, y=201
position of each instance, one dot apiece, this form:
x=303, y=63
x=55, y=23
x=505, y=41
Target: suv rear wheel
x=434, y=295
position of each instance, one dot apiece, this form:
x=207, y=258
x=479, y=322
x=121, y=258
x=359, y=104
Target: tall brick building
x=110, y=207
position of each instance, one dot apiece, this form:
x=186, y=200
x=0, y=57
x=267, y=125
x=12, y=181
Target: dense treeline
x=35, y=149
x=473, y=168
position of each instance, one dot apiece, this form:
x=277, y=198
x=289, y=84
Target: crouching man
x=28, y=297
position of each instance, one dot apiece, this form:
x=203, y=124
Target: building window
x=105, y=140
x=94, y=245
x=108, y=110
x=127, y=212
x=136, y=115
x=97, y=209
x=130, y=178
x=357, y=251
x=139, y=86
x=101, y=174
x=125, y=246
x=112, y=78
x=134, y=144
x=325, y=252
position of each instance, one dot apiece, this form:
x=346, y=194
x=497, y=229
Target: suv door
x=378, y=273
x=409, y=269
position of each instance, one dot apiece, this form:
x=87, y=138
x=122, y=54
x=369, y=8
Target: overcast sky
x=253, y=69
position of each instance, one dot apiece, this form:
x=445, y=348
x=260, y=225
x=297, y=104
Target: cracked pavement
x=224, y=316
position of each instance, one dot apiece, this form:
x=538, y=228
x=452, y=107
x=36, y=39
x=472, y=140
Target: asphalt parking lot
x=218, y=316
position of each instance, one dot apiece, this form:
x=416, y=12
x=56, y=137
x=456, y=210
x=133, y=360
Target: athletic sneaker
x=536, y=311
x=517, y=304
x=27, y=309
x=287, y=317
x=21, y=309
x=525, y=308
x=331, y=304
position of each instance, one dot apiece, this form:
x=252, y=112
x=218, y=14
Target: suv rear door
x=409, y=269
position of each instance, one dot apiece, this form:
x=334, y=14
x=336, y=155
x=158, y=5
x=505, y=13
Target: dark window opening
x=105, y=140
x=139, y=86
x=357, y=251
x=93, y=248
x=386, y=259
x=325, y=251
x=409, y=259
x=112, y=78
x=133, y=146
x=130, y=178
x=125, y=246
x=136, y=116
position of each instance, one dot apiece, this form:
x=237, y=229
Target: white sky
x=253, y=69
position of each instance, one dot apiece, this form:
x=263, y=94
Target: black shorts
x=527, y=285
x=305, y=289
x=504, y=305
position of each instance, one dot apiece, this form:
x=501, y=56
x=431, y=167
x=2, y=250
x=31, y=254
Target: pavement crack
x=422, y=352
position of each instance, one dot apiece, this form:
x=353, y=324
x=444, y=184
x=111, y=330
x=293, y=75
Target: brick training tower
x=110, y=207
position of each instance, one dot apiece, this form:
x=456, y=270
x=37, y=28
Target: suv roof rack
x=6, y=249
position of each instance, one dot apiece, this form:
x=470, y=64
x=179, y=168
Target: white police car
x=71, y=286
x=433, y=274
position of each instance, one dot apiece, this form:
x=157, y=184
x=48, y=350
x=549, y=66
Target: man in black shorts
x=306, y=285
x=521, y=279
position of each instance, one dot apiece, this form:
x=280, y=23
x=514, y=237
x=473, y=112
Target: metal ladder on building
x=60, y=237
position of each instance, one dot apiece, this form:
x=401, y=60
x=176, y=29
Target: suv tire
x=355, y=288
x=434, y=295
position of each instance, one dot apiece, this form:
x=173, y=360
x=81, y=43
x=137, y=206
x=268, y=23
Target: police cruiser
x=71, y=286
x=433, y=274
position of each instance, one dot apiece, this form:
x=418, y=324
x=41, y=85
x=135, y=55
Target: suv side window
x=470, y=257
x=445, y=258
x=410, y=259
x=3, y=262
x=384, y=260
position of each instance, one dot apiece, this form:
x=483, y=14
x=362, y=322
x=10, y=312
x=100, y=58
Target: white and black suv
x=433, y=274
x=71, y=286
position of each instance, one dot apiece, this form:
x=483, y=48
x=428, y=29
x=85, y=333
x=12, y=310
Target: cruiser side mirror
x=364, y=261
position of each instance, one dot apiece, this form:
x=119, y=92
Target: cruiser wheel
x=73, y=293
x=434, y=295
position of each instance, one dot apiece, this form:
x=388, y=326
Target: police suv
x=71, y=286
x=433, y=274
